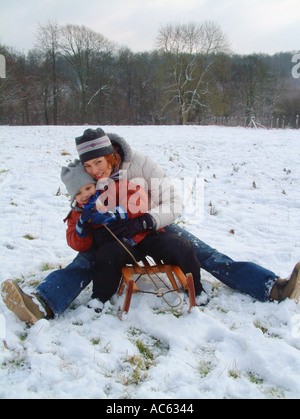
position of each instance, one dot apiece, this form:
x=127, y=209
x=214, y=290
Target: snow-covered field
x=235, y=347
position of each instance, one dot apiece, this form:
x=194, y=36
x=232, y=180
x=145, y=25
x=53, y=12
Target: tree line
x=74, y=75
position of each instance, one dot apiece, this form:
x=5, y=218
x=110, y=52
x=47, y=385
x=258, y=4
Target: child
x=117, y=200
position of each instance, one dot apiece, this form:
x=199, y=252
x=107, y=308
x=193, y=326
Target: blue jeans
x=246, y=277
x=61, y=287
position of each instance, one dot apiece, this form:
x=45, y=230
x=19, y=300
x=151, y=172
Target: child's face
x=84, y=193
x=99, y=168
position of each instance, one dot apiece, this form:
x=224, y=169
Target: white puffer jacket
x=164, y=201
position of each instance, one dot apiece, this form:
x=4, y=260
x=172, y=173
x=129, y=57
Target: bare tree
x=190, y=49
x=86, y=51
x=15, y=89
x=255, y=86
x=48, y=36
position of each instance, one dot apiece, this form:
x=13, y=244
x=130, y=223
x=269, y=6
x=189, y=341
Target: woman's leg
x=61, y=287
x=246, y=277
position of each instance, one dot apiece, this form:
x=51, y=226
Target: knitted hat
x=93, y=144
x=75, y=177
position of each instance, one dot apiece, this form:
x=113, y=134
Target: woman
x=61, y=287
x=113, y=200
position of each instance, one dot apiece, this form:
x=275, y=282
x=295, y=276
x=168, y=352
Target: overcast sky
x=250, y=25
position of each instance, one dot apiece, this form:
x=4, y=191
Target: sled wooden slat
x=191, y=290
x=172, y=271
x=128, y=296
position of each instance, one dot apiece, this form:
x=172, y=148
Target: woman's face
x=99, y=168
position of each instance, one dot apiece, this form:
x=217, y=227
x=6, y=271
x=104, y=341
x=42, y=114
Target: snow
x=235, y=347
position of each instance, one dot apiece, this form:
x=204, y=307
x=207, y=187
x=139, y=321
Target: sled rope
x=161, y=292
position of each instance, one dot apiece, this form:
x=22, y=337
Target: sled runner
x=186, y=282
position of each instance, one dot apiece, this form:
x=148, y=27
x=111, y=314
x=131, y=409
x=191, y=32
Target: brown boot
x=21, y=304
x=287, y=288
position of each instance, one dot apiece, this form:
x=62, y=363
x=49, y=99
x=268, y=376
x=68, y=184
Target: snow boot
x=96, y=304
x=27, y=308
x=287, y=288
x=202, y=299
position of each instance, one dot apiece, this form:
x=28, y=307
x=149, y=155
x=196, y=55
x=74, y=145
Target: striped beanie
x=93, y=144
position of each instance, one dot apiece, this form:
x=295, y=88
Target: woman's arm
x=165, y=203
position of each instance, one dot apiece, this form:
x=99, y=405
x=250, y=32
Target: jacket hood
x=123, y=147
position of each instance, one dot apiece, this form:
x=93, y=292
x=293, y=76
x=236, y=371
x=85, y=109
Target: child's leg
x=173, y=250
x=110, y=259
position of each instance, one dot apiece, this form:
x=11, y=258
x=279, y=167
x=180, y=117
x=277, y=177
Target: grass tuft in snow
x=29, y=237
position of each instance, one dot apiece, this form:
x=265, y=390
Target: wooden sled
x=186, y=281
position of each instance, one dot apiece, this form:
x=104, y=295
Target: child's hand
x=92, y=201
x=107, y=217
x=95, y=203
x=100, y=207
x=82, y=227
